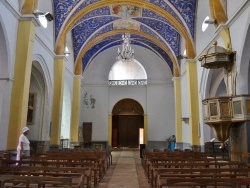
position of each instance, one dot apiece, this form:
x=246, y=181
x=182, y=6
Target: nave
x=126, y=171
x=157, y=169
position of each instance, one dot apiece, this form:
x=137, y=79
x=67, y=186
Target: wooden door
x=125, y=131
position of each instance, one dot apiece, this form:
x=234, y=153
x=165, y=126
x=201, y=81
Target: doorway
x=127, y=122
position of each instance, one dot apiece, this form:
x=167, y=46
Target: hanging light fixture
x=126, y=53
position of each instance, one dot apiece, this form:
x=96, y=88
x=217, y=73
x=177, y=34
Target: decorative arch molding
x=43, y=76
x=38, y=86
x=243, y=75
x=78, y=65
x=5, y=84
x=4, y=52
x=127, y=107
x=213, y=87
x=208, y=85
x=205, y=83
x=47, y=76
x=60, y=43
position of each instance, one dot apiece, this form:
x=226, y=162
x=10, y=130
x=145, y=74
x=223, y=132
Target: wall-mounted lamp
x=210, y=21
x=43, y=18
x=185, y=120
x=49, y=16
x=180, y=57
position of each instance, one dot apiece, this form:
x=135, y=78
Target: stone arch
x=40, y=72
x=37, y=116
x=5, y=84
x=212, y=83
x=243, y=75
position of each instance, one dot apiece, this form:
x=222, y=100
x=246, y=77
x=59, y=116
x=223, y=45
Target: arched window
x=127, y=73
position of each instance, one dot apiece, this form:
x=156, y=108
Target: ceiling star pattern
x=62, y=10
x=85, y=29
x=166, y=31
x=103, y=19
x=103, y=11
x=187, y=11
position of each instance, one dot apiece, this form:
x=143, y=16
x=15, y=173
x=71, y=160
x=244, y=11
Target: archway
x=127, y=124
x=5, y=85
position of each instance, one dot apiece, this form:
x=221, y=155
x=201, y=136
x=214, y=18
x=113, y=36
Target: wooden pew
x=161, y=176
x=97, y=161
x=40, y=181
x=53, y=168
x=78, y=174
x=156, y=165
x=203, y=182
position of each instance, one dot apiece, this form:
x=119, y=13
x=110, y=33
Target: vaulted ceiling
x=97, y=25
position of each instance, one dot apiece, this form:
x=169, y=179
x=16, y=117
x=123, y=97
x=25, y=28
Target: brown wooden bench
x=203, y=182
x=161, y=176
x=78, y=174
x=40, y=181
x=53, y=168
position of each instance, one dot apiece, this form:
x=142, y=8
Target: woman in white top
x=23, y=148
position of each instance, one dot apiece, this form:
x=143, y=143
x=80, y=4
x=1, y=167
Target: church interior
x=128, y=79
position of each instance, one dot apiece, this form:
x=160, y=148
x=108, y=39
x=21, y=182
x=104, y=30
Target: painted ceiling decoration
x=157, y=25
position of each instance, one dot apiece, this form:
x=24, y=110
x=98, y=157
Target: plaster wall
x=203, y=38
x=44, y=60
x=16, y=5
x=239, y=39
x=184, y=103
x=160, y=111
x=46, y=35
x=8, y=28
x=66, y=112
x=233, y=6
x=157, y=98
x=96, y=112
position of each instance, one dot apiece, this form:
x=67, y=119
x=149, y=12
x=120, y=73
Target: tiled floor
x=126, y=171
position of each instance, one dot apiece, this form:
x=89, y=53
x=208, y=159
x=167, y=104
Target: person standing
x=23, y=148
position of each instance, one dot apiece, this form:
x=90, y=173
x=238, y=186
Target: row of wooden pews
x=189, y=168
x=82, y=168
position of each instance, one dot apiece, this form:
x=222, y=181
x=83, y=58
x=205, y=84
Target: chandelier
x=127, y=53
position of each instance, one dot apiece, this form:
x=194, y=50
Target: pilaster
x=145, y=129
x=75, y=108
x=110, y=130
x=59, y=72
x=193, y=102
x=178, y=124
x=21, y=83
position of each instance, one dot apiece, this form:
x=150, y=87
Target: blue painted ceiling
x=110, y=18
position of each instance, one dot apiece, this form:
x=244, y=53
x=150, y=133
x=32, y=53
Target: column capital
x=190, y=61
x=30, y=17
x=60, y=57
x=176, y=78
x=78, y=76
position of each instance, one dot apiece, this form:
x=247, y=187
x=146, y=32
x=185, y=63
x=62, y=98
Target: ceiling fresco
x=152, y=30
